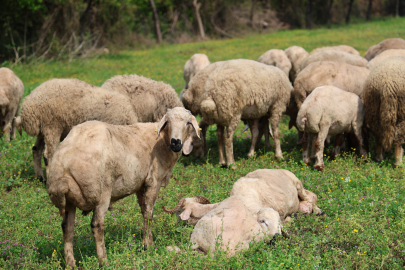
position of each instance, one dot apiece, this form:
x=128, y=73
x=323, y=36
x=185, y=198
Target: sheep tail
x=301, y=121
x=57, y=191
x=208, y=106
x=388, y=119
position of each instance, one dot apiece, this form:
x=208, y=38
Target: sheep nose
x=176, y=145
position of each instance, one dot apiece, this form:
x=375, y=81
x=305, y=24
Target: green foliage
x=364, y=201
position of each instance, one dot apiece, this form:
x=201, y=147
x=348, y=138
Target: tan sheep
x=98, y=164
x=11, y=93
x=244, y=89
x=196, y=63
x=384, y=92
x=384, y=55
x=296, y=55
x=386, y=44
x=344, y=48
x=337, y=56
x=330, y=111
x=52, y=109
x=277, y=58
x=150, y=99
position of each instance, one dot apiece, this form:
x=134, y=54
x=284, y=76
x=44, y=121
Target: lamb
x=296, y=55
x=336, y=56
x=244, y=89
x=344, y=48
x=196, y=63
x=384, y=90
x=11, y=93
x=150, y=99
x=98, y=164
x=276, y=58
x=386, y=44
x=258, y=205
x=384, y=55
x=330, y=111
x=52, y=109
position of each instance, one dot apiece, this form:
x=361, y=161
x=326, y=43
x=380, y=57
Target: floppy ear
x=195, y=125
x=162, y=124
x=188, y=145
x=186, y=214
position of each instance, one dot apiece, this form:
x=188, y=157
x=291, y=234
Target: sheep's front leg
x=230, y=130
x=37, y=151
x=6, y=123
x=274, y=121
x=359, y=136
x=13, y=128
x=304, y=197
x=299, y=139
x=68, y=224
x=399, y=152
x=254, y=127
x=97, y=228
x=266, y=131
x=336, y=147
x=319, y=146
x=204, y=126
x=220, y=137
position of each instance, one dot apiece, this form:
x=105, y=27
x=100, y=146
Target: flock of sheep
x=126, y=136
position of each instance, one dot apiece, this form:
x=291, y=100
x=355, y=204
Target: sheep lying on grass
x=296, y=55
x=386, y=44
x=384, y=55
x=52, y=109
x=11, y=93
x=330, y=111
x=384, y=98
x=98, y=164
x=277, y=58
x=337, y=56
x=196, y=63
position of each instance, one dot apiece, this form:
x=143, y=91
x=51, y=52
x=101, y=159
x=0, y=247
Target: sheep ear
x=162, y=124
x=195, y=126
x=186, y=214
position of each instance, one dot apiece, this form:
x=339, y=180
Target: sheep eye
x=262, y=221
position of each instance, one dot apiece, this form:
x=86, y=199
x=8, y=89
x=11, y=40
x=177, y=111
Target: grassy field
x=364, y=201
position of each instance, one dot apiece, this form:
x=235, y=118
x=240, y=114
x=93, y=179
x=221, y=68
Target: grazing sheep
x=244, y=89
x=196, y=63
x=52, y=109
x=386, y=44
x=344, y=48
x=330, y=111
x=296, y=55
x=277, y=58
x=384, y=98
x=344, y=76
x=98, y=164
x=150, y=99
x=336, y=56
x=384, y=55
x=11, y=93
x=258, y=204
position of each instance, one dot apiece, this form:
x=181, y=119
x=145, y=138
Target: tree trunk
x=309, y=14
x=175, y=19
x=83, y=18
x=330, y=13
x=198, y=17
x=252, y=13
x=397, y=8
x=349, y=11
x=157, y=24
x=369, y=9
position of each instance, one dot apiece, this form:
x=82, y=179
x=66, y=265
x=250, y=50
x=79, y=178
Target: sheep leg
x=254, y=127
x=313, y=138
x=300, y=135
x=52, y=139
x=359, y=136
x=37, y=151
x=379, y=152
x=7, y=125
x=68, y=224
x=220, y=137
x=305, y=148
x=204, y=126
x=319, y=146
x=304, y=197
x=399, y=152
x=266, y=131
x=274, y=121
x=230, y=130
x=97, y=228
x=13, y=128
x=337, y=145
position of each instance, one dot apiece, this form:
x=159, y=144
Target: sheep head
x=269, y=221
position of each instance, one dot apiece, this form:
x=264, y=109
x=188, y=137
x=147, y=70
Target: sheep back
x=276, y=58
x=337, y=56
x=196, y=63
x=386, y=44
x=344, y=48
x=11, y=90
x=296, y=55
x=384, y=55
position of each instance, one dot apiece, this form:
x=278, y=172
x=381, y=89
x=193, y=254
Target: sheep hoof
x=321, y=214
x=319, y=167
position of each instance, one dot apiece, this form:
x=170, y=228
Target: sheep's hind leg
x=274, y=121
x=305, y=148
x=254, y=127
x=230, y=130
x=13, y=128
x=336, y=147
x=220, y=137
x=37, y=151
x=379, y=152
x=319, y=146
x=399, y=152
x=68, y=224
x=97, y=228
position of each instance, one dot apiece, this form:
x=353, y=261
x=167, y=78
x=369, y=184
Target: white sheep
x=330, y=111
x=384, y=55
x=196, y=63
x=150, y=99
x=11, y=93
x=98, y=164
x=296, y=55
x=344, y=48
x=386, y=44
x=277, y=58
x=52, y=109
x=337, y=56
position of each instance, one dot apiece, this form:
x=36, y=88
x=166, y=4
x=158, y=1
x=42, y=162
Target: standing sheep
x=330, y=111
x=344, y=48
x=336, y=56
x=386, y=44
x=150, y=99
x=244, y=89
x=52, y=109
x=384, y=55
x=384, y=98
x=277, y=58
x=98, y=164
x=11, y=93
x=296, y=55
x=196, y=63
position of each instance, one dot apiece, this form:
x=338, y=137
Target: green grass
x=365, y=220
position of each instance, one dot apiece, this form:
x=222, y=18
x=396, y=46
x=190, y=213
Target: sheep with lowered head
x=384, y=98
x=296, y=55
x=384, y=55
x=196, y=63
x=52, y=109
x=277, y=58
x=337, y=56
x=344, y=48
x=330, y=111
x=98, y=164
x=11, y=93
x=150, y=99
x=386, y=44
x=244, y=89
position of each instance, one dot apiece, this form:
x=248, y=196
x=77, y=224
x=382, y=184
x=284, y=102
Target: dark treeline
x=37, y=29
